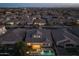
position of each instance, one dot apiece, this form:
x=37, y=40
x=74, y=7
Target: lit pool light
x=48, y=53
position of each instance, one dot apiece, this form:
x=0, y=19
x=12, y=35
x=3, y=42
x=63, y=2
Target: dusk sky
x=38, y=5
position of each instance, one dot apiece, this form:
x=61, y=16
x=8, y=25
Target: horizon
x=18, y=5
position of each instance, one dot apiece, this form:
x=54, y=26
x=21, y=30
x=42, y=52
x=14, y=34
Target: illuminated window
x=36, y=46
